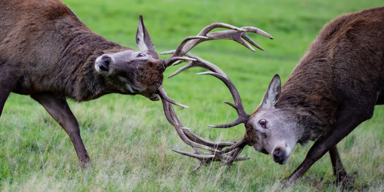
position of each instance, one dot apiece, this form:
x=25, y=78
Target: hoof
x=346, y=182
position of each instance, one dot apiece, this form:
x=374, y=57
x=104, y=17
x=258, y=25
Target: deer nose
x=279, y=156
x=104, y=63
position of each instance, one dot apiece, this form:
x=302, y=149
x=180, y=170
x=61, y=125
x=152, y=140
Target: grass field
x=129, y=139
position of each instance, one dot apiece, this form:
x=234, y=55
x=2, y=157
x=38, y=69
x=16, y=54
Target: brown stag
x=331, y=91
x=48, y=53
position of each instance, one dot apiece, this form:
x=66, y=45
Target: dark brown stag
x=48, y=53
x=331, y=91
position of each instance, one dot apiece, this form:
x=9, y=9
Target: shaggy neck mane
x=78, y=57
x=308, y=94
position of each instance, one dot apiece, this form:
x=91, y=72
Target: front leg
x=58, y=108
x=342, y=177
x=8, y=80
x=345, y=123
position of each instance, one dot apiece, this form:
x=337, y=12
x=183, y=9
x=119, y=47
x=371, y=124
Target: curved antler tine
x=213, y=157
x=161, y=90
x=198, y=63
x=181, y=69
x=168, y=52
x=249, y=40
x=185, y=40
x=187, y=136
x=227, y=160
x=179, y=48
x=197, y=139
x=212, y=26
x=235, y=94
x=239, y=144
x=229, y=125
x=242, y=115
x=171, y=60
x=245, y=44
x=178, y=62
x=233, y=35
x=257, y=31
x=194, y=155
x=168, y=110
x=230, y=104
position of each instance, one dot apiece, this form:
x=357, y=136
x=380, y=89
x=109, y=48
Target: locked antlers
x=229, y=155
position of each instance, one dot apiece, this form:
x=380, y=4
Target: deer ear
x=272, y=94
x=143, y=40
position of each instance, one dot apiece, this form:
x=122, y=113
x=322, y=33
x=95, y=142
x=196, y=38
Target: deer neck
x=309, y=93
x=83, y=83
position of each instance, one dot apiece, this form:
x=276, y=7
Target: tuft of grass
x=129, y=139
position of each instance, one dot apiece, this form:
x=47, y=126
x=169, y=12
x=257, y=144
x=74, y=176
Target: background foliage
x=129, y=139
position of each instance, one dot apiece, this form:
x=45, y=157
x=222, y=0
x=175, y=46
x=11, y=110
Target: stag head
x=141, y=72
x=269, y=129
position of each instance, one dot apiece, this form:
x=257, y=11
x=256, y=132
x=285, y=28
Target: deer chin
x=154, y=97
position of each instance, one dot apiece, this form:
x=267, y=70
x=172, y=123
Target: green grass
x=129, y=139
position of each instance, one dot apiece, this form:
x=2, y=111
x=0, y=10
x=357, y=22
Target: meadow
x=129, y=139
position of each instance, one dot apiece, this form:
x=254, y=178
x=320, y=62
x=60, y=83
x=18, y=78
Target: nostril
x=103, y=67
x=277, y=153
x=106, y=60
x=104, y=63
x=278, y=156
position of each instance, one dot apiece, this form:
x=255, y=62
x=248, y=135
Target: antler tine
x=239, y=144
x=165, y=97
x=187, y=136
x=242, y=115
x=212, y=26
x=198, y=62
x=226, y=159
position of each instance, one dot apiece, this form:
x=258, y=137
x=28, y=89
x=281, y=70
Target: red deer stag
x=48, y=53
x=331, y=91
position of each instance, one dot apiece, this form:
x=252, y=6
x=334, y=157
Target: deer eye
x=140, y=55
x=263, y=123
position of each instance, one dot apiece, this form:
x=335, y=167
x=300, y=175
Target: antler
x=217, y=72
x=236, y=34
x=229, y=155
x=187, y=136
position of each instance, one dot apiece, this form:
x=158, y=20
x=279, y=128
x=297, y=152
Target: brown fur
x=343, y=67
x=48, y=53
x=331, y=91
x=51, y=50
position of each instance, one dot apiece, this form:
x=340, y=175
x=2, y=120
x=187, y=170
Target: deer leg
x=58, y=108
x=7, y=82
x=4, y=93
x=342, y=177
x=345, y=123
